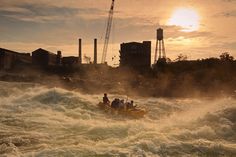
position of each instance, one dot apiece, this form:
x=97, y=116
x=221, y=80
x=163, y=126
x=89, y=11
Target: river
x=39, y=121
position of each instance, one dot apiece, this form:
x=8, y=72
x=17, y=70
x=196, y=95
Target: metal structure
x=160, y=46
x=80, y=52
x=108, y=30
x=95, y=52
x=87, y=59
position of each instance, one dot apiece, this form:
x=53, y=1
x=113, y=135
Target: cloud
x=232, y=45
x=40, y=13
x=49, y=24
x=13, y=10
x=55, y=23
x=229, y=1
x=226, y=46
x=231, y=13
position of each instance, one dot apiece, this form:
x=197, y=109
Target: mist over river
x=41, y=121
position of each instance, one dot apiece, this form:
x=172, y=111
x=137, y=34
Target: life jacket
x=105, y=100
x=115, y=103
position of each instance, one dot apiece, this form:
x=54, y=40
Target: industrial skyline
x=56, y=25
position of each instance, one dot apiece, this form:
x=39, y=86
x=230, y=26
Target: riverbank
x=128, y=82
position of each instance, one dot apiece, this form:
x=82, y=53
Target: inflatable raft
x=134, y=112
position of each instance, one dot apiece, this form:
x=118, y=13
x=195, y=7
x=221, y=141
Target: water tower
x=160, y=46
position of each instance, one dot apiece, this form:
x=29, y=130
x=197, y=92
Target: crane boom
x=108, y=30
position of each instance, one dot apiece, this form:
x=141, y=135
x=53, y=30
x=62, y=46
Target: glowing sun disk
x=186, y=18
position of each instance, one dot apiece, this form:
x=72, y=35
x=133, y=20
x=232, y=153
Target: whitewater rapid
x=41, y=121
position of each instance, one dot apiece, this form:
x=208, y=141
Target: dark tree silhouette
x=181, y=57
x=226, y=57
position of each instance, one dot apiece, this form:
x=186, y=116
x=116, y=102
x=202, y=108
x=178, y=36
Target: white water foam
x=41, y=121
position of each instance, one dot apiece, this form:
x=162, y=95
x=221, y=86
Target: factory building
x=69, y=61
x=136, y=55
x=9, y=59
x=44, y=58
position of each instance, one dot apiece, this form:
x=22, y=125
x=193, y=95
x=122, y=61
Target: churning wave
x=40, y=121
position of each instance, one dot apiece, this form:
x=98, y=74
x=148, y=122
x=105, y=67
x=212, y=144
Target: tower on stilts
x=160, y=47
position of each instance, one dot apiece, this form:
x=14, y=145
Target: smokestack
x=80, y=51
x=95, y=51
x=59, y=57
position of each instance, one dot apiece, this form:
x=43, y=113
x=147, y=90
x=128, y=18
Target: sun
x=186, y=18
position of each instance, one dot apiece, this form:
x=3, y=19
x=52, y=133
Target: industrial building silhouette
x=41, y=58
x=136, y=55
x=133, y=55
x=9, y=58
x=45, y=58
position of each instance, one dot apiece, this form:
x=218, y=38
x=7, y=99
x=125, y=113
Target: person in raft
x=105, y=99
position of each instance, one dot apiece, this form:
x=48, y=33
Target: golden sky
x=196, y=28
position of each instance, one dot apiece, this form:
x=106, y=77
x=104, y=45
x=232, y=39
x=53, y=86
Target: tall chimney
x=95, y=51
x=59, y=57
x=80, y=51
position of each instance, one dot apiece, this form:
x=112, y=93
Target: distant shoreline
x=134, y=88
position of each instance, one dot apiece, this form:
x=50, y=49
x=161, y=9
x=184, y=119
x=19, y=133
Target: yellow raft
x=134, y=113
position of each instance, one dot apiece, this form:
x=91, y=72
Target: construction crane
x=108, y=30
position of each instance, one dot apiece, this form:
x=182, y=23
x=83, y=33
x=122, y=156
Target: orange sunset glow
x=197, y=29
x=188, y=19
x=117, y=78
